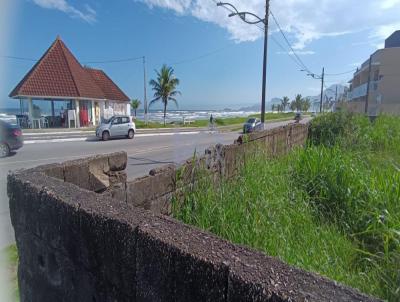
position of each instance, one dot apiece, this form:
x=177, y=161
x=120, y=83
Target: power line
x=202, y=56
x=288, y=43
x=114, y=61
x=19, y=58
x=86, y=62
x=341, y=73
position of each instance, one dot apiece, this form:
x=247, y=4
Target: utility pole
x=322, y=89
x=255, y=20
x=264, y=80
x=368, y=84
x=145, y=91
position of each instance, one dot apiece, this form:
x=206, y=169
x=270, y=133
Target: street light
x=242, y=15
x=318, y=77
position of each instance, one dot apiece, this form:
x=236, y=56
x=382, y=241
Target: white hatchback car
x=117, y=126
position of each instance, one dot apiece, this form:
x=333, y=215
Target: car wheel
x=4, y=150
x=105, y=136
x=131, y=134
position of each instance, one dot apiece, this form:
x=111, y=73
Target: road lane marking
x=137, y=152
x=80, y=139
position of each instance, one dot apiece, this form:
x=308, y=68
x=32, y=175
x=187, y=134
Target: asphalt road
x=145, y=152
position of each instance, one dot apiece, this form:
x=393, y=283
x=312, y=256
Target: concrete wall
x=78, y=245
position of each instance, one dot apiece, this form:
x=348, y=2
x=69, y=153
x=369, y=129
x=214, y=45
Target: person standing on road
x=211, y=122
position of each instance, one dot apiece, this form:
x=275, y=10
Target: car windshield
x=251, y=120
x=106, y=120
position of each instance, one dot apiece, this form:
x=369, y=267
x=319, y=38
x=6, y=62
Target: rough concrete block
x=117, y=177
x=77, y=173
x=161, y=205
x=98, y=170
x=139, y=191
x=253, y=276
x=163, y=183
x=118, y=161
x=174, y=265
x=117, y=191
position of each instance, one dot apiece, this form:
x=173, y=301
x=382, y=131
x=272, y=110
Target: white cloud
x=303, y=21
x=89, y=15
x=388, y=4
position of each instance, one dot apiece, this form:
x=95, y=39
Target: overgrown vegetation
x=332, y=207
x=8, y=268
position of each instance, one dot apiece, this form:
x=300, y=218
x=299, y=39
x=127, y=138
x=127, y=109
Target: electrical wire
x=288, y=43
x=114, y=61
x=341, y=73
x=18, y=58
x=298, y=63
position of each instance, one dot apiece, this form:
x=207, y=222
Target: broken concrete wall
x=77, y=245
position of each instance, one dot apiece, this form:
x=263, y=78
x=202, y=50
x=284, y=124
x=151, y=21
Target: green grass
x=9, y=264
x=331, y=208
x=219, y=121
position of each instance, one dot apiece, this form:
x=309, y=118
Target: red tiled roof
x=110, y=89
x=59, y=74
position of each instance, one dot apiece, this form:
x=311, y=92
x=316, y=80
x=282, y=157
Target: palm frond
x=153, y=101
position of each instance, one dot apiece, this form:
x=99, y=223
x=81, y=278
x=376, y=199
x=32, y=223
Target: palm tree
x=285, y=102
x=298, y=101
x=135, y=104
x=293, y=106
x=165, y=88
x=273, y=107
x=306, y=104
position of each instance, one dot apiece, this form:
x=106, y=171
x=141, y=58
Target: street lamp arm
x=228, y=4
x=242, y=16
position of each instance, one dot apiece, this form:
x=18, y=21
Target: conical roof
x=59, y=74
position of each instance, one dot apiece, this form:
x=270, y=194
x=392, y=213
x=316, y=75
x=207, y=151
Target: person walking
x=211, y=123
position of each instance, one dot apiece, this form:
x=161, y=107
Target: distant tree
x=293, y=106
x=285, y=103
x=297, y=103
x=273, y=107
x=164, y=88
x=135, y=104
x=306, y=104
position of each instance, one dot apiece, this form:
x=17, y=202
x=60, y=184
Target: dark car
x=10, y=138
x=298, y=117
x=252, y=124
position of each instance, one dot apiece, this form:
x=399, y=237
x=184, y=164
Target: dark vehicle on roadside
x=11, y=138
x=298, y=117
x=252, y=124
x=117, y=126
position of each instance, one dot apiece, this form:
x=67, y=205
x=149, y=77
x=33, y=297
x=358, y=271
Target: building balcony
x=358, y=91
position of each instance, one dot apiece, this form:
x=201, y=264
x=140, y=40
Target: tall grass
x=332, y=207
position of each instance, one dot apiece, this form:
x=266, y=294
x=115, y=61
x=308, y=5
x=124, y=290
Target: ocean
x=8, y=114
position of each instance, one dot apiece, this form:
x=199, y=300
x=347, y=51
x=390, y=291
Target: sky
x=217, y=59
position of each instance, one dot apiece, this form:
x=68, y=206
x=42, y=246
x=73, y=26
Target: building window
x=376, y=75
